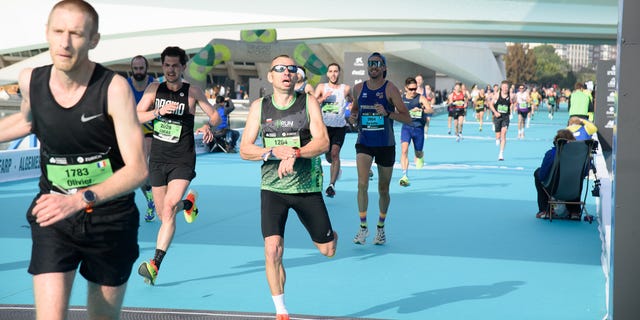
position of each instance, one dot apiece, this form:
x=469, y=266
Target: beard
x=139, y=77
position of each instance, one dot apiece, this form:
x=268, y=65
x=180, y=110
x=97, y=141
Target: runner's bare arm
x=145, y=108
x=205, y=106
x=129, y=136
x=402, y=113
x=248, y=148
x=18, y=124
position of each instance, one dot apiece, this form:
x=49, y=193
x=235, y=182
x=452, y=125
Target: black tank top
x=292, y=120
x=77, y=135
x=173, y=133
x=502, y=104
x=289, y=125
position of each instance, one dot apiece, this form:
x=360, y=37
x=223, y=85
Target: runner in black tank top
x=91, y=159
x=172, y=106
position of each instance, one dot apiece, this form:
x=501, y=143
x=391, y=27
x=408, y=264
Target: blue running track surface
x=462, y=243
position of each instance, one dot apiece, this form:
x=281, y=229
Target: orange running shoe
x=191, y=214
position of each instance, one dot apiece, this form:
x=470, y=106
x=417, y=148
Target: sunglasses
x=375, y=63
x=279, y=68
x=412, y=89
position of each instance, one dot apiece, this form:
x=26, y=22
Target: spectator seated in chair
x=543, y=172
x=224, y=138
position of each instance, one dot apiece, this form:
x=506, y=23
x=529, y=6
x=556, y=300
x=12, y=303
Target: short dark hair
x=219, y=99
x=333, y=64
x=146, y=62
x=174, y=52
x=410, y=80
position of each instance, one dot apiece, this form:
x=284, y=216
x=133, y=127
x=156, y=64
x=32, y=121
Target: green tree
x=550, y=68
x=586, y=74
x=520, y=64
x=569, y=81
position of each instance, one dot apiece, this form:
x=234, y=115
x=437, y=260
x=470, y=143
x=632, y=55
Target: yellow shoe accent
x=420, y=162
x=191, y=214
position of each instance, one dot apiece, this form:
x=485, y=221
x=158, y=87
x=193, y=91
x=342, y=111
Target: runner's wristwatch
x=89, y=197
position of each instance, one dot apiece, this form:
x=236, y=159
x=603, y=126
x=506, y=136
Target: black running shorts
x=103, y=243
x=501, y=122
x=310, y=208
x=336, y=136
x=383, y=156
x=161, y=173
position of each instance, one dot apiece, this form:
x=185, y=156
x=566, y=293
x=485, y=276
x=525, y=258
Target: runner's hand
x=51, y=208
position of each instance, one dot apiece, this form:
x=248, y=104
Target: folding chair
x=569, y=170
x=219, y=142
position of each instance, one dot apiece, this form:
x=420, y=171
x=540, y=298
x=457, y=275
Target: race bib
x=371, y=120
x=291, y=140
x=67, y=175
x=331, y=108
x=415, y=114
x=167, y=130
x=502, y=108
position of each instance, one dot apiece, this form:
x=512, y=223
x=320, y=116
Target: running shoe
x=149, y=196
x=330, y=191
x=150, y=216
x=380, y=236
x=149, y=272
x=449, y=132
x=420, y=162
x=404, y=181
x=282, y=317
x=500, y=157
x=151, y=207
x=191, y=214
x=361, y=237
x=480, y=129
x=457, y=138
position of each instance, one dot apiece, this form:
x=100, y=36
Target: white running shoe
x=380, y=237
x=361, y=237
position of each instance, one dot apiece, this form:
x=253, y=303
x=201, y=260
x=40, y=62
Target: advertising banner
x=19, y=164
